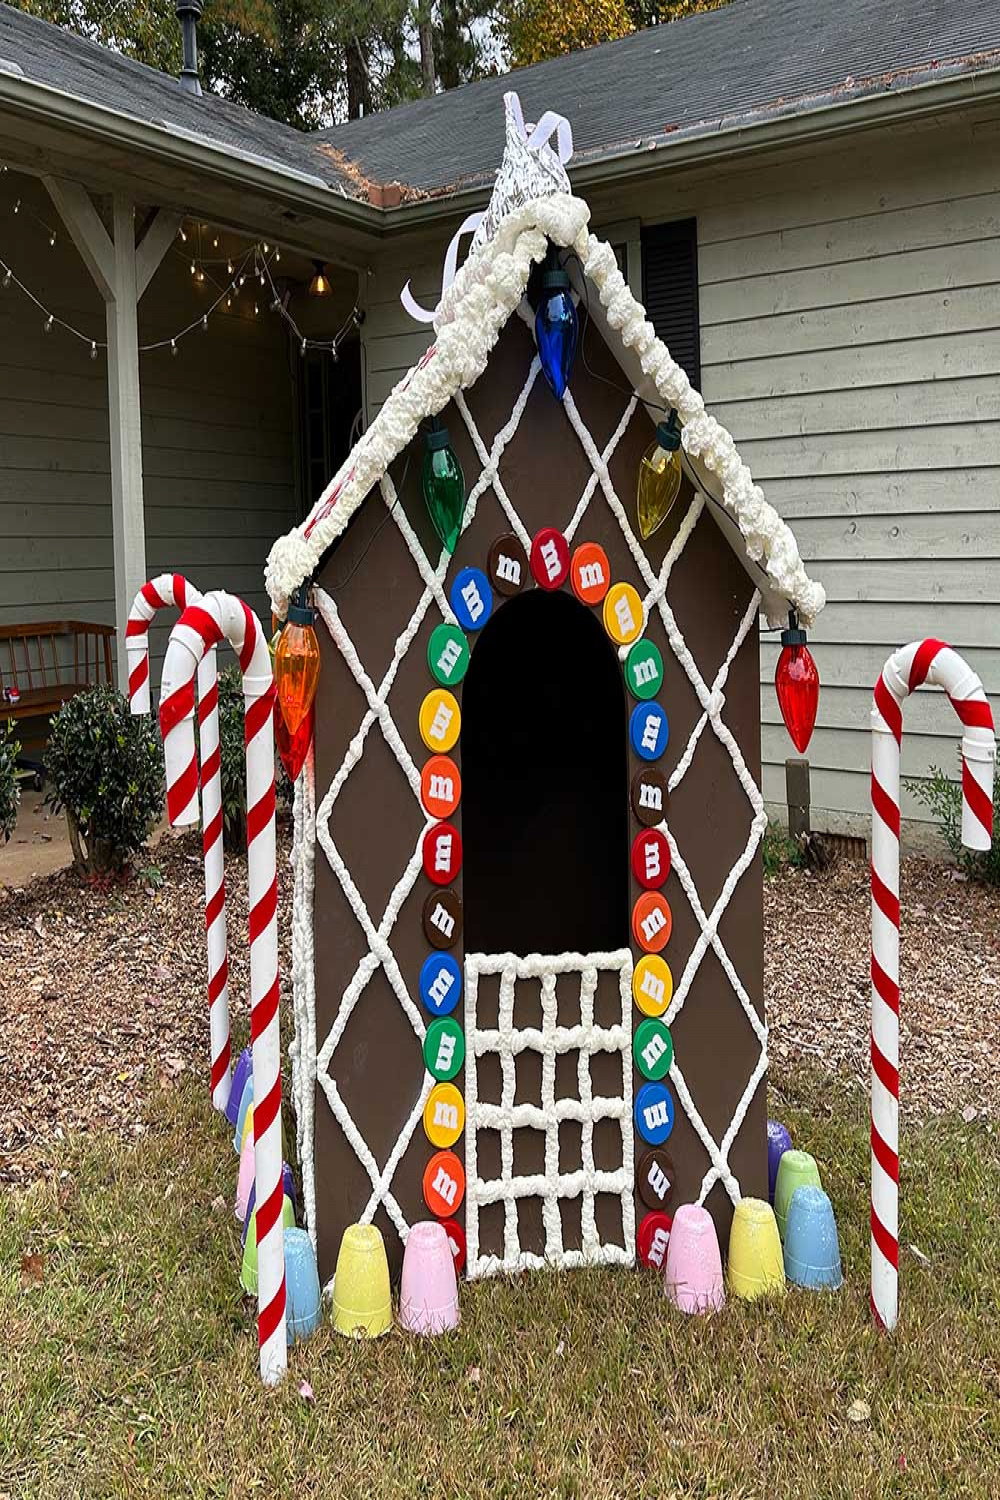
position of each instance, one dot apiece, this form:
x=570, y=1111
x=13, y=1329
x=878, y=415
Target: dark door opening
x=544, y=783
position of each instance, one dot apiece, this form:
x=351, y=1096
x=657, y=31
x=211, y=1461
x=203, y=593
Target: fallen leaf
x=969, y=1113
x=560, y=1348
x=859, y=1411
x=32, y=1270
x=473, y=1374
x=307, y=1393
x=219, y=1205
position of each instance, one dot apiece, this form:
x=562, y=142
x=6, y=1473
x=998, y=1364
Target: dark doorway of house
x=544, y=783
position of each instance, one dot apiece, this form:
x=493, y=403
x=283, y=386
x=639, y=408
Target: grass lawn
x=129, y=1359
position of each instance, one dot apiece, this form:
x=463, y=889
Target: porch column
x=122, y=270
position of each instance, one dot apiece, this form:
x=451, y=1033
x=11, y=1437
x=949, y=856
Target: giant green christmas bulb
x=444, y=487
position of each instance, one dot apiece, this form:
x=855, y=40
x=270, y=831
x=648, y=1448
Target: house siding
x=217, y=432
x=850, y=339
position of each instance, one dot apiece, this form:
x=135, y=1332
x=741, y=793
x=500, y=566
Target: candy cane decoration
x=934, y=662
x=202, y=626
x=170, y=589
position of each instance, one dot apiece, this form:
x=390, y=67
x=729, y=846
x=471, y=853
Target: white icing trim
x=486, y=291
x=552, y=1041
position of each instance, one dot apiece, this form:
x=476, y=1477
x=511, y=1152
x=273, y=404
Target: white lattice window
x=549, y=1038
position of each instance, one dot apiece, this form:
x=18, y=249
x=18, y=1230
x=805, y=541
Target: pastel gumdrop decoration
x=755, y=1265
x=248, y=1269
x=362, y=1304
x=428, y=1294
x=247, y=1126
x=246, y=1100
x=797, y=1169
x=245, y=1180
x=242, y=1071
x=287, y=1188
x=692, y=1277
x=303, y=1301
x=812, y=1249
x=778, y=1142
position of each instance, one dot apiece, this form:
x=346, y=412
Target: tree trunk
x=426, y=34
x=359, y=100
x=450, y=47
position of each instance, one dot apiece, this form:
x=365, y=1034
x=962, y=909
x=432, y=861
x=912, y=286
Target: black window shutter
x=670, y=291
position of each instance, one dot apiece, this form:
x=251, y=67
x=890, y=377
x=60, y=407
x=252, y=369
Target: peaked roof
x=720, y=72
x=750, y=61
x=485, y=294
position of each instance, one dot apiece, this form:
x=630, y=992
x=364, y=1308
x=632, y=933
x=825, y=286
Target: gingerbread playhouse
x=528, y=940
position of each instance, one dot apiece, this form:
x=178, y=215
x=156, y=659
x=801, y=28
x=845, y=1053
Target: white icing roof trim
x=485, y=293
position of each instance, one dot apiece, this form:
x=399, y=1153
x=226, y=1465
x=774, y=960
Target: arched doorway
x=545, y=783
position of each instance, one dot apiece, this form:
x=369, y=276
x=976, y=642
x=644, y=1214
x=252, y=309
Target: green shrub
x=105, y=767
x=10, y=792
x=944, y=798
x=779, y=850
x=232, y=748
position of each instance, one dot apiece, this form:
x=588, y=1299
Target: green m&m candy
x=444, y=1048
x=644, y=670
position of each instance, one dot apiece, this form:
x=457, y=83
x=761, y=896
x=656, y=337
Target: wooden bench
x=49, y=662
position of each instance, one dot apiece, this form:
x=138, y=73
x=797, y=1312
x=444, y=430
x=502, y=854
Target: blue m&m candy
x=471, y=598
x=649, y=730
x=654, y=1113
x=440, y=983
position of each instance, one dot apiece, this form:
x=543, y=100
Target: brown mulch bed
x=818, y=986
x=102, y=993
x=102, y=996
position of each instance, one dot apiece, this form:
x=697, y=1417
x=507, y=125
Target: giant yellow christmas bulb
x=659, y=477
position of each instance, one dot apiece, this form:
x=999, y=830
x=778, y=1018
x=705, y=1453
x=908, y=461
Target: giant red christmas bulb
x=296, y=662
x=293, y=748
x=796, y=682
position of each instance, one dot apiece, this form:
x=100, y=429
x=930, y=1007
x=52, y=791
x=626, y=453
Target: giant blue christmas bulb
x=556, y=329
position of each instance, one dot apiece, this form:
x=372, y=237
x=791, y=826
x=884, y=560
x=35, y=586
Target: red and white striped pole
x=934, y=662
x=202, y=626
x=172, y=590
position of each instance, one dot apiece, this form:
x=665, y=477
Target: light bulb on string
x=229, y=268
x=204, y=322
x=17, y=206
x=556, y=326
x=297, y=662
x=48, y=323
x=659, y=477
x=6, y=279
x=93, y=349
x=173, y=346
x=52, y=240
x=183, y=234
x=443, y=485
x=796, y=682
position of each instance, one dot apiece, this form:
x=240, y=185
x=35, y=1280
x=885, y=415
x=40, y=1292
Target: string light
x=258, y=257
x=52, y=240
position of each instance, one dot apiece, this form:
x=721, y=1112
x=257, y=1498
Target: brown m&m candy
x=649, y=796
x=507, y=565
x=655, y=1179
x=442, y=919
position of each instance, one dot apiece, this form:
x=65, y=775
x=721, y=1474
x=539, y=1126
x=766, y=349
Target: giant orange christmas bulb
x=296, y=662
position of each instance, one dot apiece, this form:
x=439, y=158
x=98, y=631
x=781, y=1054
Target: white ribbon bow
x=536, y=140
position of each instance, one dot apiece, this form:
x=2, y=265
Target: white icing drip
x=485, y=293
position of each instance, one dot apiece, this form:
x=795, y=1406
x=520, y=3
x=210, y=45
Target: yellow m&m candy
x=440, y=720
x=622, y=613
x=652, y=984
x=444, y=1115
